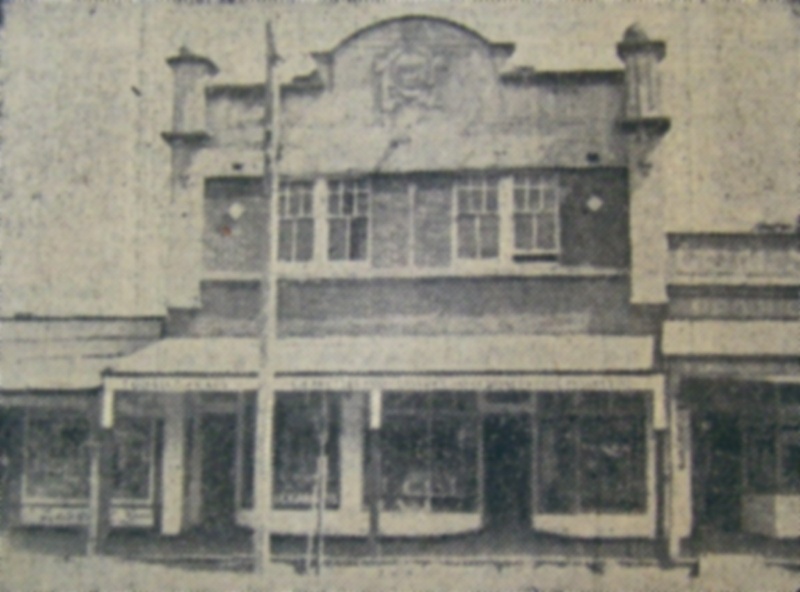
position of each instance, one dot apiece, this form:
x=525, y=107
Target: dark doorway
x=219, y=471
x=718, y=472
x=507, y=470
x=10, y=458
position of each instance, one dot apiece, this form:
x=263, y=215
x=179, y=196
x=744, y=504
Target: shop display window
x=133, y=458
x=592, y=453
x=57, y=457
x=772, y=443
x=429, y=444
x=307, y=428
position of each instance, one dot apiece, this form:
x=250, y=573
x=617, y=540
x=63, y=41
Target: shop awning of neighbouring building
x=731, y=338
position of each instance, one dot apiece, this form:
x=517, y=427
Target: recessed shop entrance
x=219, y=470
x=718, y=472
x=507, y=471
x=8, y=424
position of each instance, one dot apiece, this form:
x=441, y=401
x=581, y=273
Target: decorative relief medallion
x=409, y=76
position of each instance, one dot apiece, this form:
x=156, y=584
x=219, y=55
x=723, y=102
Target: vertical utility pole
x=269, y=309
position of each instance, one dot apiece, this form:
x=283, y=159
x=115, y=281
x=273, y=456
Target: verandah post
x=374, y=473
x=100, y=444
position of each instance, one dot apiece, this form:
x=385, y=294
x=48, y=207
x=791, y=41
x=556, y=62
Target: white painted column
x=194, y=495
x=320, y=198
x=172, y=468
x=679, y=502
x=505, y=208
x=352, y=452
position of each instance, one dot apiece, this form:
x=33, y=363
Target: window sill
x=349, y=270
x=480, y=269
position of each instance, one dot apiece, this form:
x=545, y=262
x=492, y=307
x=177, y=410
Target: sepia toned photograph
x=492, y=296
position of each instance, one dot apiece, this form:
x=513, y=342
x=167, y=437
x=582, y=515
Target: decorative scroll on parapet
x=644, y=125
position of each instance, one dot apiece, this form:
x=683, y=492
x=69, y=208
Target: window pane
x=463, y=201
x=491, y=198
x=405, y=464
x=557, y=465
x=363, y=203
x=57, y=457
x=334, y=204
x=300, y=423
x=444, y=402
x=612, y=464
x=308, y=204
x=476, y=200
x=760, y=460
x=790, y=461
x=490, y=236
x=348, y=202
x=523, y=235
x=467, y=239
x=337, y=239
x=285, y=240
x=358, y=239
x=550, y=200
x=304, y=239
x=520, y=199
x=133, y=441
x=248, y=450
x=295, y=201
x=282, y=202
x=400, y=402
x=545, y=232
x=454, y=477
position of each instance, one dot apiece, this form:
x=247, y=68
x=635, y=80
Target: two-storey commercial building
x=477, y=322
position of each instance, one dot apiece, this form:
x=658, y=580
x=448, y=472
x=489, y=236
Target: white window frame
x=536, y=185
x=483, y=183
x=361, y=187
x=303, y=191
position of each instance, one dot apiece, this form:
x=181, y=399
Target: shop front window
x=133, y=458
x=772, y=442
x=591, y=453
x=57, y=457
x=429, y=447
x=307, y=428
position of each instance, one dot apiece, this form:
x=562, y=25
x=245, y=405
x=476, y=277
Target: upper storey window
x=477, y=218
x=296, y=211
x=348, y=220
x=536, y=216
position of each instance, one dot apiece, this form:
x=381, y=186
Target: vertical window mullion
x=575, y=433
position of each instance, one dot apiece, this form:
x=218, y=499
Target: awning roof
x=578, y=353
x=731, y=338
x=200, y=356
x=52, y=374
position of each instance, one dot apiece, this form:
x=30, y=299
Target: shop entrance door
x=219, y=471
x=9, y=435
x=507, y=471
x=718, y=472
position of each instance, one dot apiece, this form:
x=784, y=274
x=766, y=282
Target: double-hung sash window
x=536, y=216
x=296, y=211
x=348, y=220
x=477, y=218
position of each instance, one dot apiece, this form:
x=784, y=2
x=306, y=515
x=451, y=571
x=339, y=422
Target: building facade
x=476, y=321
